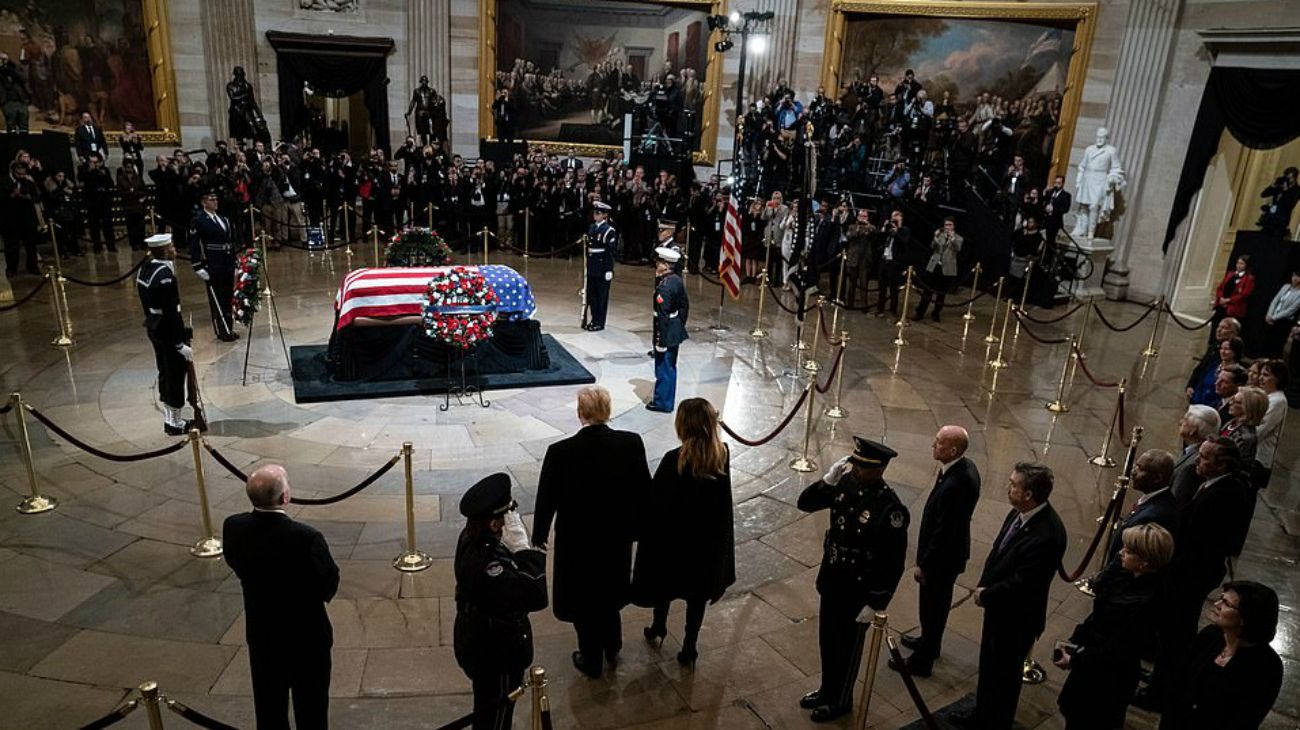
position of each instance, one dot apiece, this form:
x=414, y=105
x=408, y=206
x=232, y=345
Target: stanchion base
x=1033, y=672
x=991, y=339
x=969, y=316
x=719, y=328
x=1085, y=587
x=1102, y=460
x=899, y=341
x=799, y=346
x=998, y=363
x=803, y=464
x=812, y=366
x=903, y=323
x=758, y=333
x=208, y=547
x=835, y=412
x=1151, y=352
x=61, y=341
x=34, y=504
x=413, y=562
x=1057, y=406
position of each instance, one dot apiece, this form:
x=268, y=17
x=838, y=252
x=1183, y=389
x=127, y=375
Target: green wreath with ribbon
x=414, y=246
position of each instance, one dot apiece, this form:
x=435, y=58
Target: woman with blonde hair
x=688, y=548
x=1246, y=409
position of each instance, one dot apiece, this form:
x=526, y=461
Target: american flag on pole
x=729, y=267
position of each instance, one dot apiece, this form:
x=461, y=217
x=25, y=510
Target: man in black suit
x=212, y=250
x=288, y=575
x=943, y=545
x=589, y=485
x=1056, y=203
x=89, y=138
x=893, y=256
x=1152, y=473
x=1198, y=424
x=1013, y=593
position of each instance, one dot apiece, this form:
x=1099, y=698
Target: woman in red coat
x=1233, y=292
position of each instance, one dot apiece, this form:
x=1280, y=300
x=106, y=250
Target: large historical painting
x=1001, y=66
x=574, y=68
x=82, y=55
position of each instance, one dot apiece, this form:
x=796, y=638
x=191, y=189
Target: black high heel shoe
x=686, y=657
x=655, y=635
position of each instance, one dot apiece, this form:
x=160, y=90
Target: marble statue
x=1099, y=178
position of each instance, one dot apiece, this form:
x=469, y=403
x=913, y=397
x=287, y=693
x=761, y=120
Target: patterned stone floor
x=102, y=594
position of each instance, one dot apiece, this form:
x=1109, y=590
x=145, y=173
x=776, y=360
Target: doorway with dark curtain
x=332, y=66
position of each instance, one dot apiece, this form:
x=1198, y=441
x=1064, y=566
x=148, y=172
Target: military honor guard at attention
x=862, y=561
x=500, y=579
x=213, y=251
x=602, y=244
x=671, y=310
x=160, y=296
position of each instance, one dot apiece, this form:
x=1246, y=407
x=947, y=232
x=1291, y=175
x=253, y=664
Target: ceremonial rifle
x=583, y=292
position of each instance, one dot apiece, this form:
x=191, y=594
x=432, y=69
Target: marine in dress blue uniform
x=212, y=251
x=500, y=579
x=160, y=297
x=671, y=309
x=862, y=561
x=602, y=242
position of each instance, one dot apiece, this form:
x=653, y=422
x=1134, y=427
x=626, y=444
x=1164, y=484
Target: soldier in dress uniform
x=161, y=299
x=602, y=242
x=500, y=579
x=671, y=310
x=862, y=561
x=212, y=251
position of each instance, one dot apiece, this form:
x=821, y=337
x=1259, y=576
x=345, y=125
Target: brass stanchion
x=686, y=250
x=1103, y=459
x=997, y=362
x=34, y=503
x=1078, y=340
x=758, y=332
x=997, y=303
x=252, y=223
x=1151, y=350
x=64, y=338
x=1032, y=672
x=837, y=410
x=528, y=228
x=54, y=243
x=153, y=221
x=62, y=289
x=485, y=233
x=899, y=340
x=541, y=702
x=208, y=546
x=838, y=302
x=875, y=637
x=1085, y=585
x=374, y=243
x=974, y=287
x=804, y=463
x=152, y=710
x=411, y=561
x=347, y=230
x=1059, y=405
x=811, y=365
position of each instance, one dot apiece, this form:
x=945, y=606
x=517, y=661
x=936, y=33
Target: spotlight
x=757, y=44
x=735, y=17
x=723, y=45
x=717, y=21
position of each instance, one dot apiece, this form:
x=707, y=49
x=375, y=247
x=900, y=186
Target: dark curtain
x=336, y=67
x=1256, y=105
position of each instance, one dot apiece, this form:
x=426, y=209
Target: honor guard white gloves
x=837, y=471
x=203, y=274
x=186, y=352
x=513, y=535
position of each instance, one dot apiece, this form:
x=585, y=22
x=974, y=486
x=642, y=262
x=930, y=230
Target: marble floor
x=102, y=594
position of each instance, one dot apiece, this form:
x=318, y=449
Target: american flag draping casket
x=396, y=292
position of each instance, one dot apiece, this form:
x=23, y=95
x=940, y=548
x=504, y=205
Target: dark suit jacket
x=943, y=545
x=1207, y=536
x=591, y=486
x=1238, y=696
x=1161, y=508
x=288, y=576
x=1017, y=576
x=1185, y=479
x=85, y=139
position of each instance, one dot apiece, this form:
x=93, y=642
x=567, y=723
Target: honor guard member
x=161, y=299
x=500, y=579
x=212, y=249
x=862, y=561
x=602, y=242
x=671, y=310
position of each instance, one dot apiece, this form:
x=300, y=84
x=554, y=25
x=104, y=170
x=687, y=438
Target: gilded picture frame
x=1083, y=16
x=708, y=135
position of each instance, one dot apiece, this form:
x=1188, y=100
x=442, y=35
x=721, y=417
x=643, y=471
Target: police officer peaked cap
x=870, y=453
x=210, y=192
x=158, y=240
x=490, y=497
x=603, y=206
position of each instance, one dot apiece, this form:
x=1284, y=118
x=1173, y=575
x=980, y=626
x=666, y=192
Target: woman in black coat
x=1231, y=676
x=1104, y=652
x=688, y=550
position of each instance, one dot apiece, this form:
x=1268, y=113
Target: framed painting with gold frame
x=112, y=59
x=1022, y=52
x=574, y=49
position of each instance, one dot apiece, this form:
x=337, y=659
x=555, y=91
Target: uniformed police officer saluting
x=500, y=578
x=602, y=242
x=212, y=251
x=671, y=310
x=862, y=560
x=160, y=296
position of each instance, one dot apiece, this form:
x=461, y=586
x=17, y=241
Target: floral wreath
x=247, y=300
x=460, y=308
x=415, y=246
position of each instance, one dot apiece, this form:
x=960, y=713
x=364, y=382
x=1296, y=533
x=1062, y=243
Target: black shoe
x=657, y=409
x=916, y=669
x=686, y=657
x=581, y=665
x=228, y=337
x=826, y=713
x=912, y=642
x=655, y=634
x=1145, y=699
x=811, y=700
x=935, y=319
x=171, y=430
x=611, y=658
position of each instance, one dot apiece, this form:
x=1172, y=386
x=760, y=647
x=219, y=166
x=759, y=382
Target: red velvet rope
x=910, y=683
x=835, y=366
x=26, y=297
x=775, y=432
x=1034, y=337
x=1106, y=518
x=1083, y=365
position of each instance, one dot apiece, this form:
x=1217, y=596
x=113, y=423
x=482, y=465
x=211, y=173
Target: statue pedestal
x=1097, y=250
x=1115, y=283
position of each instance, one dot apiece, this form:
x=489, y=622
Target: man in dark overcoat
x=590, y=482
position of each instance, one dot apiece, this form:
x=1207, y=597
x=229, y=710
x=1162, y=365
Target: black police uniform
x=495, y=591
x=862, y=560
x=212, y=249
x=160, y=297
x=602, y=242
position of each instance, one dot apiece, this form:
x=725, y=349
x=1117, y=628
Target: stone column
x=428, y=23
x=1135, y=97
x=230, y=40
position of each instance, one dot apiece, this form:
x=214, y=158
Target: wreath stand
x=463, y=388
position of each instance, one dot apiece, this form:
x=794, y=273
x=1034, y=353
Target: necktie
x=1012, y=529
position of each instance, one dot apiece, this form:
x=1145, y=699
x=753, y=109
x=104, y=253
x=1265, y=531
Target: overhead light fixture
x=758, y=43
x=735, y=17
x=723, y=45
x=718, y=21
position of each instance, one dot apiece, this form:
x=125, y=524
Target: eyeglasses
x=1222, y=600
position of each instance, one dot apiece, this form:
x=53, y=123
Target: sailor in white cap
x=161, y=299
x=671, y=310
x=602, y=243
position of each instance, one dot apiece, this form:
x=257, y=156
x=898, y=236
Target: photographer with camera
x=1283, y=195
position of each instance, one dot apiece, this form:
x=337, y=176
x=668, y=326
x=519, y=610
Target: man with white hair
x=1198, y=424
x=288, y=575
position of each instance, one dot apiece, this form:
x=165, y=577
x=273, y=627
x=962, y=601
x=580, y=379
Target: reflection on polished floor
x=102, y=594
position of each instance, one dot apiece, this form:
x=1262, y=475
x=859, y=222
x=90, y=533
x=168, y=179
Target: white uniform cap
x=158, y=240
x=599, y=205
x=671, y=255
